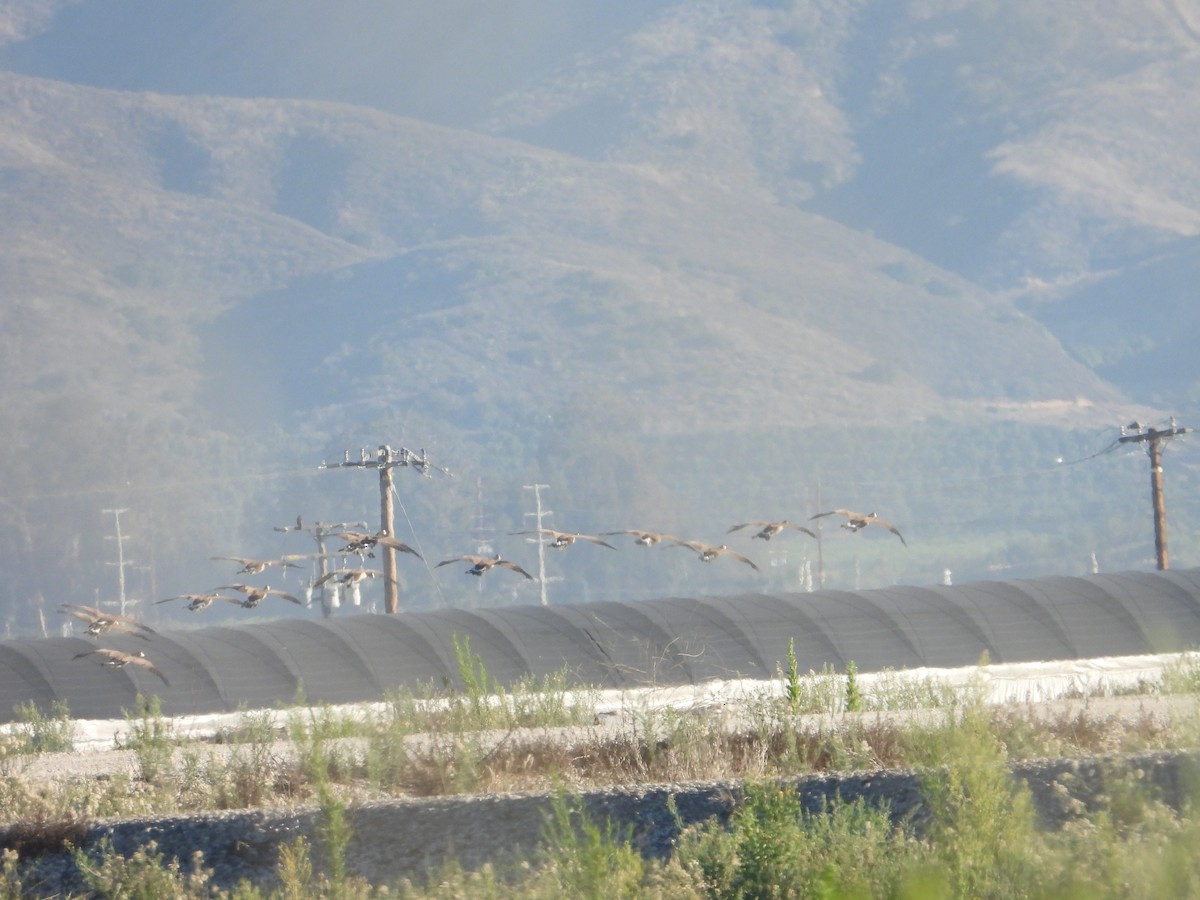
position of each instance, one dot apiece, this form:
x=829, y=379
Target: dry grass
x=503, y=741
x=529, y=738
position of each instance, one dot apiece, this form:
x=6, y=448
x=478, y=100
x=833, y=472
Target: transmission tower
x=538, y=514
x=122, y=563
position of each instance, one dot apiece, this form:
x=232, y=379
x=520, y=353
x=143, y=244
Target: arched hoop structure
x=665, y=641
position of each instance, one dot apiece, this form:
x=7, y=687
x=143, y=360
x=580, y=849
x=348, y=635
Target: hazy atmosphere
x=687, y=266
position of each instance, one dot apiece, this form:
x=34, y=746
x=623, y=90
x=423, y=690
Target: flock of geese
x=363, y=545
x=99, y=623
x=707, y=552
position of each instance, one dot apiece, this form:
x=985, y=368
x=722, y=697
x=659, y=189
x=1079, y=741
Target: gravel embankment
x=406, y=838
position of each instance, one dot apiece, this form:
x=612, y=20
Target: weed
x=143, y=876
x=773, y=848
x=983, y=822
x=548, y=702
x=333, y=827
x=792, y=684
x=42, y=831
x=151, y=737
x=854, y=699
x=584, y=859
x=1182, y=676
x=295, y=870
x=889, y=690
x=52, y=732
x=11, y=886
x=253, y=727
x=243, y=780
x=387, y=757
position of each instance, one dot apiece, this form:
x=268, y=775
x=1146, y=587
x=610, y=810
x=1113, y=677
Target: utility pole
x=385, y=460
x=121, y=562
x=321, y=532
x=820, y=537
x=539, y=513
x=482, y=529
x=1153, y=438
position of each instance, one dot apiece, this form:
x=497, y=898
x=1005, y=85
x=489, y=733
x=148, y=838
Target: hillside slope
x=489, y=265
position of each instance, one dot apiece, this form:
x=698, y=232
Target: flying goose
x=562, y=539
x=348, y=576
x=858, y=521
x=768, y=530
x=709, y=552
x=197, y=602
x=116, y=659
x=361, y=543
x=644, y=538
x=257, y=566
x=100, y=622
x=481, y=564
x=256, y=595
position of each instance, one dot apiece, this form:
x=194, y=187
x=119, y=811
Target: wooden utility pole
x=1153, y=438
x=385, y=460
x=387, y=524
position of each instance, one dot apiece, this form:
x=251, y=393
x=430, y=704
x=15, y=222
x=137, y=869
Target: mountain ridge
x=724, y=255
x=719, y=272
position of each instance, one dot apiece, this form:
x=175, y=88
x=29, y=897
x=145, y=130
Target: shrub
x=45, y=733
x=584, y=859
x=772, y=848
x=151, y=737
x=143, y=876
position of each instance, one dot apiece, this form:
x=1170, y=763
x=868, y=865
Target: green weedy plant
x=387, y=757
x=583, y=859
x=983, y=824
x=854, y=698
x=143, y=876
x=549, y=701
x=810, y=692
x=11, y=887
x=253, y=727
x=450, y=881
x=333, y=827
x=52, y=732
x=890, y=690
x=295, y=870
x=479, y=710
x=151, y=737
x=1182, y=676
x=772, y=848
x=316, y=735
x=242, y=780
x=792, y=687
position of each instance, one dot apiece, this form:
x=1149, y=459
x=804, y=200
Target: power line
x=420, y=549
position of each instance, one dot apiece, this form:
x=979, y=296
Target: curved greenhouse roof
x=665, y=641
